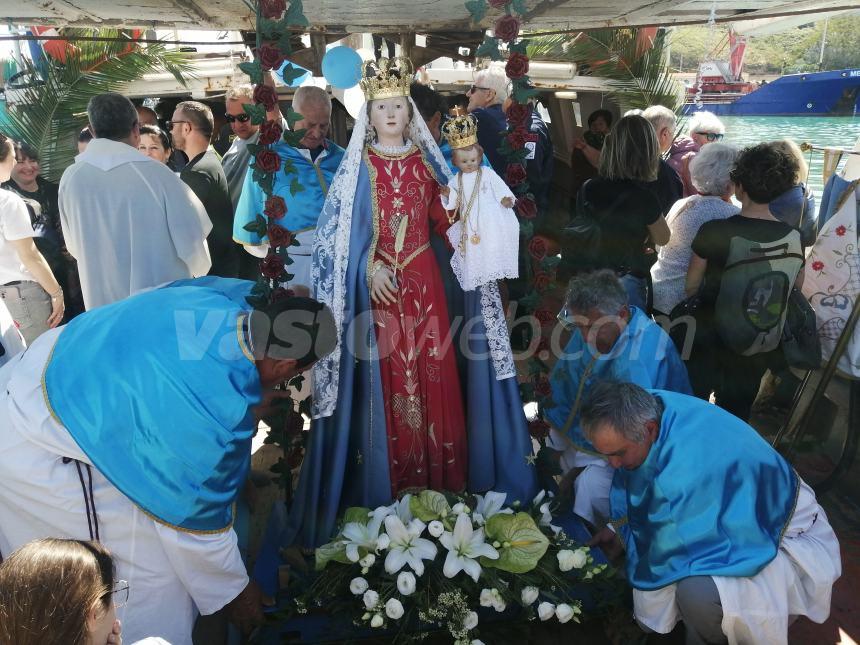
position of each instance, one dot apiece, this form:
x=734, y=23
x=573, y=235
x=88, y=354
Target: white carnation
x=546, y=610
x=406, y=583
x=394, y=609
x=371, y=598
x=566, y=558
x=529, y=595
x=436, y=528
x=358, y=586
x=564, y=612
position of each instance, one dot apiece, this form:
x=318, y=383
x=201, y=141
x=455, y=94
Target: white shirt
x=172, y=574
x=130, y=223
x=15, y=224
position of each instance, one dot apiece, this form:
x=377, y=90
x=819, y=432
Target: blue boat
x=834, y=93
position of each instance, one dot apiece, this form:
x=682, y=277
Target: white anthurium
x=406, y=547
x=406, y=583
x=361, y=536
x=471, y=620
x=564, y=612
x=546, y=610
x=370, y=598
x=465, y=545
x=489, y=505
x=394, y=609
x=436, y=528
x=529, y=595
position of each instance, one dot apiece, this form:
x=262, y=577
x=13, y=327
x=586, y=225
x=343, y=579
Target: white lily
x=464, y=546
x=489, y=505
x=361, y=536
x=406, y=547
x=400, y=508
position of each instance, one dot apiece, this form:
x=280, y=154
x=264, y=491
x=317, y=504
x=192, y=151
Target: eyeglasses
x=711, y=136
x=475, y=88
x=170, y=124
x=241, y=118
x=119, y=593
x=566, y=319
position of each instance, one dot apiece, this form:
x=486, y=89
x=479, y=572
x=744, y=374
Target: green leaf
x=550, y=262
x=489, y=49
x=266, y=182
x=289, y=167
x=294, y=137
x=429, y=505
x=291, y=73
x=477, y=9
x=295, y=15
x=522, y=92
x=253, y=148
x=523, y=543
x=254, y=71
x=518, y=7
x=331, y=552
x=292, y=116
x=530, y=302
x=257, y=112
x=356, y=514
x=521, y=47
x=285, y=43
x=268, y=29
x=527, y=229
x=296, y=186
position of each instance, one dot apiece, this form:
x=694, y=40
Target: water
x=840, y=132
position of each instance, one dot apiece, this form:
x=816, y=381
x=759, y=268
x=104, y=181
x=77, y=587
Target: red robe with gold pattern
x=423, y=405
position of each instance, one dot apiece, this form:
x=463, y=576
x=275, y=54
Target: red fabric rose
x=539, y=429
x=537, y=248
x=498, y=4
x=280, y=294
x=840, y=231
x=543, y=388
x=515, y=174
x=270, y=56
x=518, y=114
x=279, y=236
x=541, y=280
x=526, y=208
x=517, y=139
x=273, y=9
x=517, y=66
x=268, y=161
x=270, y=132
x=266, y=95
x=545, y=317
x=818, y=265
x=507, y=28
x=276, y=207
x=272, y=266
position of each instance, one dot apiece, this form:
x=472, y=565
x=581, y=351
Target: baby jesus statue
x=486, y=235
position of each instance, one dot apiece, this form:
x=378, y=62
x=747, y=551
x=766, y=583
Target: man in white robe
x=128, y=220
x=719, y=531
x=149, y=459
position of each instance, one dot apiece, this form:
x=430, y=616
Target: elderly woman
x=703, y=128
x=486, y=97
x=709, y=172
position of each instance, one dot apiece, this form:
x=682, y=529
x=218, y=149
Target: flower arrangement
x=439, y=560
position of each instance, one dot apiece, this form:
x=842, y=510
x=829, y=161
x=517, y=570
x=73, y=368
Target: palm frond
x=638, y=77
x=52, y=110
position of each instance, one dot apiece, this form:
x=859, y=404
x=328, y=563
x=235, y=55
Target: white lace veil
x=331, y=256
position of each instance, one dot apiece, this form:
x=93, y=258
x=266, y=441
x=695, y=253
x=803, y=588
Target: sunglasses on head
x=711, y=136
x=241, y=118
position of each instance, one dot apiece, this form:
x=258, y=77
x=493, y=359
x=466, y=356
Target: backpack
x=750, y=309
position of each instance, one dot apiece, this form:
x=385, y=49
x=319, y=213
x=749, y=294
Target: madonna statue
x=392, y=414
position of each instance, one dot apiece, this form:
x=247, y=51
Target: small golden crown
x=386, y=78
x=461, y=131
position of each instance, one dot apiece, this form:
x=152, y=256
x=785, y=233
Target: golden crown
x=386, y=78
x=461, y=131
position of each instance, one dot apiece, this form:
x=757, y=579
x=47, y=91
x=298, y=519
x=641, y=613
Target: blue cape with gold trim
x=157, y=390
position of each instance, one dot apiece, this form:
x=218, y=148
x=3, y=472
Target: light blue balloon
x=341, y=67
x=296, y=81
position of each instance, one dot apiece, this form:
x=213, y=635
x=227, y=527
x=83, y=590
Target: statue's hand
x=444, y=190
x=383, y=288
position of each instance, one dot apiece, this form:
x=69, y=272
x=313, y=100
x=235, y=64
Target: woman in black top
x=761, y=174
x=628, y=213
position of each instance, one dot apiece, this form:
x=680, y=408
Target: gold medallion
x=475, y=239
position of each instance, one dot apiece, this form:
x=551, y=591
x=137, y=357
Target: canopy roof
x=394, y=16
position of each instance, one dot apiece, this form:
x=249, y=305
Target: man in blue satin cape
x=611, y=340
x=132, y=425
x=719, y=531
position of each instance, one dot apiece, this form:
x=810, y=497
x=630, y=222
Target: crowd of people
x=127, y=283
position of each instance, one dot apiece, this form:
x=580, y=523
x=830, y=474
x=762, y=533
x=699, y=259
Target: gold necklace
x=474, y=238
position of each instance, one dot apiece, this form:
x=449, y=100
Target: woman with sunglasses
x=702, y=128
x=60, y=592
